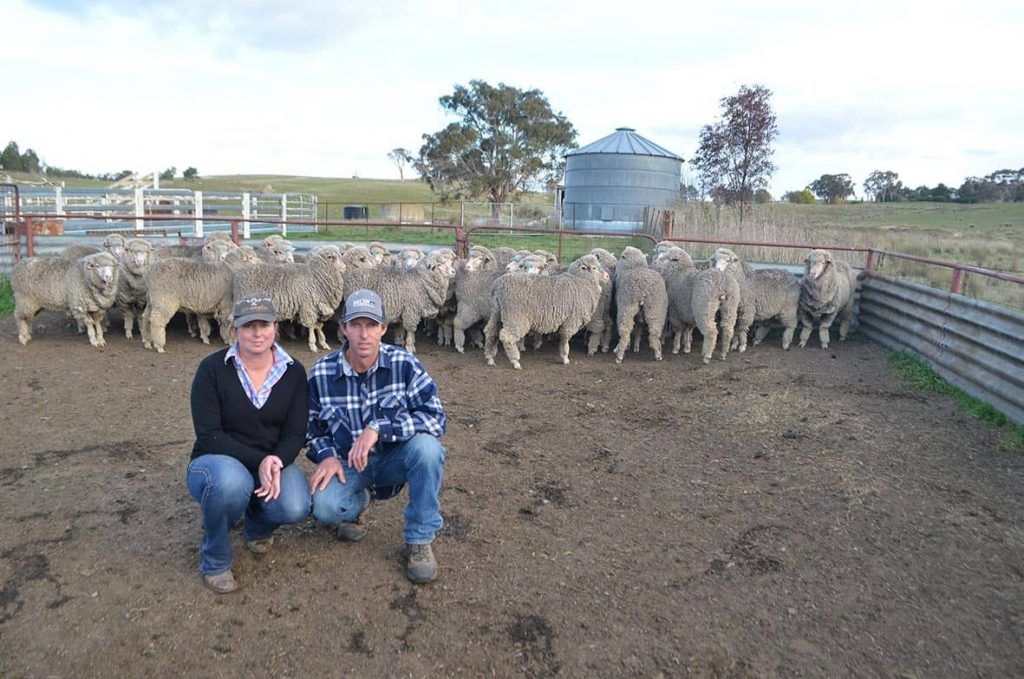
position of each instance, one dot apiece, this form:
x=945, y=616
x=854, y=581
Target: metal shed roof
x=626, y=141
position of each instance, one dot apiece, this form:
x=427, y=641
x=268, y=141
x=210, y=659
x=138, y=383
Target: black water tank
x=355, y=212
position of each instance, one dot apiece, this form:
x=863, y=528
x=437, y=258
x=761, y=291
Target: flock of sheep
x=511, y=294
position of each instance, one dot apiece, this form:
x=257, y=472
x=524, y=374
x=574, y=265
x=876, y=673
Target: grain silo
x=609, y=183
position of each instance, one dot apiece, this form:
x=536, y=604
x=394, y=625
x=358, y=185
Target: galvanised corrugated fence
x=976, y=346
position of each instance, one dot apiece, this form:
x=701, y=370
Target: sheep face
x=724, y=258
x=114, y=244
x=634, y=255
x=590, y=265
x=442, y=261
x=676, y=258
x=551, y=261
x=381, y=255
x=270, y=240
x=282, y=252
x=100, y=268
x=533, y=265
x=409, y=258
x=136, y=255
x=242, y=256
x=660, y=249
x=358, y=258
x=606, y=258
x=217, y=250
x=817, y=263
x=479, y=258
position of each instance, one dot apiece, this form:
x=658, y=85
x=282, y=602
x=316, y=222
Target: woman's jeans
x=418, y=462
x=224, y=488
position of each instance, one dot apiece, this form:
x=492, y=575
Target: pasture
x=779, y=513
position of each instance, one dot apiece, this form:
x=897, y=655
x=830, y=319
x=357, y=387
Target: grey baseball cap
x=363, y=304
x=257, y=307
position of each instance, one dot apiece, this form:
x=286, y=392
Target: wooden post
x=284, y=215
x=140, y=209
x=30, y=237
x=197, y=209
x=246, y=214
x=956, y=286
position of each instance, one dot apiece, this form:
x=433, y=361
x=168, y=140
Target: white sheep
x=826, y=293
x=85, y=288
x=131, y=286
x=408, y=296
x=767, y=294
x=707, y=300
x=639, y=288
x=204, y=288
x=561, y=303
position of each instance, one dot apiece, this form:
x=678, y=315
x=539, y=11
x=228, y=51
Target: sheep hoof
x=461, y=350
x=824, y=346
x=658, y=357
x=742, y=348
x=516, y=366
x=490, y=361
x=127, y=334
x=159, y=350
x=802, y=345
x=565, y=360
x=706, y=359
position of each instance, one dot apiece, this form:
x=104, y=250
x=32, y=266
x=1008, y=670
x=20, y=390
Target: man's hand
x=270, y=478
x=359, y=453
x=323, y=473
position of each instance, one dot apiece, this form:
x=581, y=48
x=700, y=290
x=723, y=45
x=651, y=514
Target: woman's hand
x=270, y=478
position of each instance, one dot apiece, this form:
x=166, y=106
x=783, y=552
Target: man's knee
x=294, y=507
x=424, y=450
x=336, y=504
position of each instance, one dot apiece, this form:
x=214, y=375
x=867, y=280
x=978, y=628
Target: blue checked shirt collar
x=345, y=369
x=258, y=397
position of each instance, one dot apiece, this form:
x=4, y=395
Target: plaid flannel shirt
x=396, y=394
x=258, y=397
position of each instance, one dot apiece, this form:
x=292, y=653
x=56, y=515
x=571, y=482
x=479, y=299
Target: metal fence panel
x=976, y=346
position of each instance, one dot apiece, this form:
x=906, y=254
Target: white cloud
x=328, y=88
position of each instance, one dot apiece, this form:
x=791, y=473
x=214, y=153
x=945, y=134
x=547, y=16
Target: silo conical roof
x=625, y=140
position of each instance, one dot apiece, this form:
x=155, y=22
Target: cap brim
x=361, y=314
x=249, y=318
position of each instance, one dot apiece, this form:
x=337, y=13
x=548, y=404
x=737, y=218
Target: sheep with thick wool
x=639, y=289
x=826, y=293
x=84, y=288
x=561, y=303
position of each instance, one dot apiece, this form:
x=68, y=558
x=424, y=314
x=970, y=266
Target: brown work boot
x=421, y=566
x=260, y=546
x=221, y=583
x=354, y=531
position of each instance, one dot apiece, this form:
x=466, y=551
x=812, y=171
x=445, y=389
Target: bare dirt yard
x=781, y=513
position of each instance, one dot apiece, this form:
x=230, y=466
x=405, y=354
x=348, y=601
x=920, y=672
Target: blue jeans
x=418, y=462
x=223, y=487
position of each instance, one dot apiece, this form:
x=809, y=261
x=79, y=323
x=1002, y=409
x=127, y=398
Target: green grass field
x=6, y=297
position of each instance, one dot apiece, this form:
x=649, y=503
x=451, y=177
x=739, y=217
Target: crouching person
x=249, y=413
x=374, y=423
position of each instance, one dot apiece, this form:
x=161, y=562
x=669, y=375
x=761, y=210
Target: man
x=374, y=423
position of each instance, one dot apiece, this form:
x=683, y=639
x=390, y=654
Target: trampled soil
x=781, y=513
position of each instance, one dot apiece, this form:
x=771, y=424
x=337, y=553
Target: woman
x=249, y=413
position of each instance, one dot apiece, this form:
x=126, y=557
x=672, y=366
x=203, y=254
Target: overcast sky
x=931, y=90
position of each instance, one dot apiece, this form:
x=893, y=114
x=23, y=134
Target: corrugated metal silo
x=609, y=183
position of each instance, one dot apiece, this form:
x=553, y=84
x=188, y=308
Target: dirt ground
x=781, y=513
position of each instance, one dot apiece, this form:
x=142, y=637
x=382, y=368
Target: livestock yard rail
x=975, y=345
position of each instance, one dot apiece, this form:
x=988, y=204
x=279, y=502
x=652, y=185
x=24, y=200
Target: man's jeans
x=418, y=462
x=223, y=487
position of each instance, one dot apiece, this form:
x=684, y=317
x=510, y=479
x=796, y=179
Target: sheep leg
x=762, y=331
x=807, y=327
x=24, y=312
x=638, y=334
x=687, y=339
x=709, y=330
x=98, y=318
x=594, y=340
x=190, y=323
x=321, y=337
x=538, y=340
x=655, y=321
x=129, y=323
x=91, y=329
x=606, y=335
x=204, y=328
x=727, y=331
x=144, y=330
x=844, y=324
x=158, y=328
x=626, y=322
x=409, y=326
x=564, y=335
x=510, y=341
x=491, y=337
x=826, y=323
x=458, y=333
x=477, y=337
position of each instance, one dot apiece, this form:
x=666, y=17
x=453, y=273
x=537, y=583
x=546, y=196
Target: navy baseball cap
x=258, y=307
x=363, y=304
